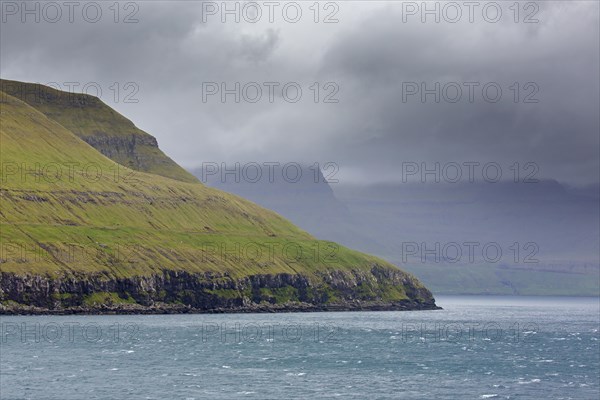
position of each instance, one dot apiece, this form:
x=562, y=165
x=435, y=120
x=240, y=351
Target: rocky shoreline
x=182, y=309
x=179, y=292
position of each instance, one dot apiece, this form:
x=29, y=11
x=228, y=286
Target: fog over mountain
x=304, y=197
x=450, y=234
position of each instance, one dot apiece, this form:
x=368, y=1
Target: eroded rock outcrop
x=179, y=291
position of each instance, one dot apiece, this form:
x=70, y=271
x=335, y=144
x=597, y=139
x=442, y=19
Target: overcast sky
x=374, y=58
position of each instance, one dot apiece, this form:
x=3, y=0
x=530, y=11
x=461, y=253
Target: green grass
x=137, y=223
x=93, y=121
x=108, y=298
x=281, y=295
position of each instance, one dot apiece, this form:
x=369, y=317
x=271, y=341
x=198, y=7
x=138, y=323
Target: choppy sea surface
x=478, y=347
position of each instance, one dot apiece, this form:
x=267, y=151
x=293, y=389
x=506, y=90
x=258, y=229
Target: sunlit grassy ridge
x=105, y=129
x=98, y=216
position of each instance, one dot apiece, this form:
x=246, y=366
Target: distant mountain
x=590, y=191
x=275, y=186
x=561, y=223
x=548, y=233
x=303, y=197
x=76, y=237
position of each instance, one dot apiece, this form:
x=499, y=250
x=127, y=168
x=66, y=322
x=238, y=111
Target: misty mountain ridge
x=552, y=223
x=300, y=196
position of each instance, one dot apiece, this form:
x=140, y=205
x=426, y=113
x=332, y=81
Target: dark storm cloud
x=560, y=132
x=370, y=54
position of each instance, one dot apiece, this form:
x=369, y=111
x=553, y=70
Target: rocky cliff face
x=133, y=151
x=174, y=292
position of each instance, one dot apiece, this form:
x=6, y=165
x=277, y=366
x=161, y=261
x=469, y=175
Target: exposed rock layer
x=178, y=292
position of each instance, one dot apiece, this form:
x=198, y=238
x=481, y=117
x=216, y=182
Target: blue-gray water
x=477, y=347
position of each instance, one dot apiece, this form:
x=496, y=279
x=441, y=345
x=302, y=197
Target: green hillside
x=100, y=126
x=76, y=228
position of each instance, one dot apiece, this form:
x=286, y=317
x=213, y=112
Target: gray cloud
x=170, y=52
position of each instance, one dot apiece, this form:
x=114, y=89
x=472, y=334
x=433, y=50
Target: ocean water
x=476, y=348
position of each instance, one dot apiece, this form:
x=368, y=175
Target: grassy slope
x=134, y=224
x=89, y=118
